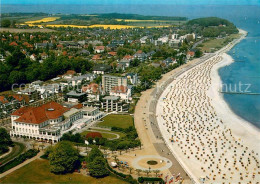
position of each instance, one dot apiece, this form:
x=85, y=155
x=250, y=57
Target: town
x=82, y=85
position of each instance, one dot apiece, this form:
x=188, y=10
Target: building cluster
x=44, y=110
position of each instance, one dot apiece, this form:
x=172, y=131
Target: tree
x=138, y=171
x=5, y=23
x=95, y=152
x=97, y=168
x=130, y=170
x=5, y=140
x=156, y=172
x=198, y=53
x=147, y=172
x=63, y=158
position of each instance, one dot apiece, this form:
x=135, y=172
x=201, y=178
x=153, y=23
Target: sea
x=244, y=72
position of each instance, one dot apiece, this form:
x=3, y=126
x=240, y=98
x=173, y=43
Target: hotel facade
x=44, y=123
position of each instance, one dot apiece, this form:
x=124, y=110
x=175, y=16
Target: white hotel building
x=46, y=123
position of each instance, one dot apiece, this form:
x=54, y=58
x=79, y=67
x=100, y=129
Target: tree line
x=20, y=69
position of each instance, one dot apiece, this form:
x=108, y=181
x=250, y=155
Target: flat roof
x=111, y=98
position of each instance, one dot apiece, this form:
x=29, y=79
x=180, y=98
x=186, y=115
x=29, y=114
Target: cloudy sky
x=111, y=2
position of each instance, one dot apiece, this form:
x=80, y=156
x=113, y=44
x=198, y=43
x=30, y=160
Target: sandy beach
x=207, y=138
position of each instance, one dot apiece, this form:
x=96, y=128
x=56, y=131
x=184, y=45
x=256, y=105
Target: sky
x=113, y=2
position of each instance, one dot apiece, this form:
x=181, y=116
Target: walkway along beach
x=204, y=135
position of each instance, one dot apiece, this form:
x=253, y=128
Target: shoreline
x=165, y=125
x=249, y=132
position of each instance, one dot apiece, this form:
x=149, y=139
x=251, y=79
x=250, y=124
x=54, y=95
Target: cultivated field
x=14, y=30
x=47, y=19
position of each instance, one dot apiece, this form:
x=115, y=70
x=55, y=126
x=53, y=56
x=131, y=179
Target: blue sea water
x=245, y=69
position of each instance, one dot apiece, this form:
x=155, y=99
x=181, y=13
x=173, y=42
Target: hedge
x=18, y=160
x=143, y=179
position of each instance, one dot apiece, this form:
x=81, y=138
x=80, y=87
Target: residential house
x=190, y=54
x=99, y=49
x=33, y=57
x=168, y=62
x=93, y=91
x=96, y=57
x=43, y=45
x=95, y=42
x=124, y=92
x=132, y=78
x=140, y=55
x=101, y=69
x=161, y=40
x=69, y=74
x=76, y=97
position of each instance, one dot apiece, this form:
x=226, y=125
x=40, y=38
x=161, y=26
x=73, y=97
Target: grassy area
x=116, y=120
x=38, y=172
x=216, y=44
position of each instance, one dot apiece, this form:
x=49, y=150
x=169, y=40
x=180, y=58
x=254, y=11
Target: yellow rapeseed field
x=95, y=26
x=47, y=19
x=92, y=26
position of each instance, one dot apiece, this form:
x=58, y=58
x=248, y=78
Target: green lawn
x=115, y=120
x=216, y=44
x=38, y=172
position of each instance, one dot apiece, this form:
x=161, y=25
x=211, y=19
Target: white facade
x=49, y=130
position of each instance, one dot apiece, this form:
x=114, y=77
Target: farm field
x=38, y=172
x=15, y=30
x=116, y=120
x=47, y=19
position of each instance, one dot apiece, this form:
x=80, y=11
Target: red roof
x=60, y=46
x=139, y=52
x=13, y=44
x=119, y=89
x=3, y=99
x=37, y=115
x=100, y=48
x=70, y=72
x=112, y=53
x=96, y=57
x=78, y=106
x=18, y=97
x=128, y=57
x=191, y=53
x=93, y=87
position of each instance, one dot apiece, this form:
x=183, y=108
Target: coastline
x=240, y=127
x=248, y=134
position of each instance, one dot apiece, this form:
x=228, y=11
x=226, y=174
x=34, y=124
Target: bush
x=143, y=179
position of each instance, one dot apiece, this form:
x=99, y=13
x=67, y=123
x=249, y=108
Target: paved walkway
x=117, y=135
x=146, y=124
x=137, y=166
x=9, y=151
x=21, y=165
